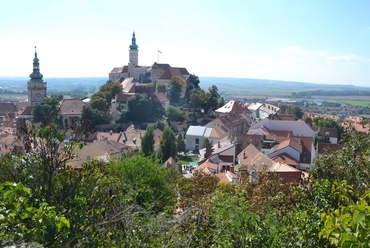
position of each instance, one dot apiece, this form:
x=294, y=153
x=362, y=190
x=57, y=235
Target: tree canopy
x=139, y=108
x=147, y=142
x=176, y=87
x=175, y=114
x=48, y=111
x=168, y=144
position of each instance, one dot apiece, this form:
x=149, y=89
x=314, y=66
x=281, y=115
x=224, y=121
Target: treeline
x=331, y=93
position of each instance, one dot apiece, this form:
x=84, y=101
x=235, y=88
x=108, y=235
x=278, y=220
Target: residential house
x=298, y=128
x=170, y=163
x=252, y=162
x=223, y=154
x=160, y=100
x=254, y=108
x=102, y=149
x=291, y=142
x=71, y=110
x=131, y=137
x=267, y=109
x=328, y=133
x=234, y=107
x=326, y=148
x=196, y=135
x=210, y=168
x=234, y=124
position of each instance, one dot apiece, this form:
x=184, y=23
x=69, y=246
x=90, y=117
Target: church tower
x=133, y=56
x=36, y=86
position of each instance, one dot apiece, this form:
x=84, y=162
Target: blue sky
x=309, y=41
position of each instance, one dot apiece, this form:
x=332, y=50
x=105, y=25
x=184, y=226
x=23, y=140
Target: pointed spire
x=133, y=45
x=36, y=75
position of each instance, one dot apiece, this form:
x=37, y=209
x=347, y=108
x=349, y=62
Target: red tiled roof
x=27, y=111
x=123, y=97
x=159, y=97
x=71, y=106
x=182, y=70
x=325, y=148
x=170, y=72
x=287, y=159
x=159, y=66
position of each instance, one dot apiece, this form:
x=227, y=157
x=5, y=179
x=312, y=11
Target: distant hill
x=247, y=87
x=232, y=88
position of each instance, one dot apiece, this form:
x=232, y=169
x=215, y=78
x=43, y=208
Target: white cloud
x=345, y=58
x=297, y=51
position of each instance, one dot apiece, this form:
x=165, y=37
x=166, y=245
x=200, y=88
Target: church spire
x=133, y=45
x=36, y=76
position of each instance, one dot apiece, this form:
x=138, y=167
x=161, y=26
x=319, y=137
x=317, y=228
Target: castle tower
x=36, y=86
x=133, y=56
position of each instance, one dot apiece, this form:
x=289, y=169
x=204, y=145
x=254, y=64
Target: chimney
x=110, y=132
x=244, y=155
x=219, y=145
x=140, y=135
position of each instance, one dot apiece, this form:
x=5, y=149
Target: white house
x=196, y=135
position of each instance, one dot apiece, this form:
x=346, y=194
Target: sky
x=314, y=41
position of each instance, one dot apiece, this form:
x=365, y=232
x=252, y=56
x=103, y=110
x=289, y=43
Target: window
x=88, y=157
x=197, y=141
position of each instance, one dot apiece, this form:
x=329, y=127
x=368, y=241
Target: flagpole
x=157, y=57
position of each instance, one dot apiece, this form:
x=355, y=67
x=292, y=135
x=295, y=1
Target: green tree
x=139, y=108
x=221, y=102
x=294, y=110
x=150, y=185
x=109, y=90
x=161, y=88
x=321, y=122
x=24, y=220
x=206, y=143
x=93, y=116
x=347, y=226
x=147, y=142
x=306, y=118
x=212, y=98
x=168, y=144
x=99, y=104
x=350, y=163
x=176, y=87
x=47, y=111
x=174, y=114
x=195, y=81
x=197, y=98
x=180, y=143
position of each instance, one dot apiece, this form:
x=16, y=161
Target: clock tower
x=36, y=86
x=133, y=56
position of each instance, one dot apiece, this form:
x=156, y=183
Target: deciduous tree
x=176, y=87
x=168, y=144
x=139, y=108
x=147, y=141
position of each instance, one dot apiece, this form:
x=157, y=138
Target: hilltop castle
x=156, y=73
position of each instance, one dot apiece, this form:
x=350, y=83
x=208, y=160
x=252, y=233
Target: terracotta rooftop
x=325, y=148
x=251, y=157
x=71, y=106
x=287, y=159
x=159, y=66
x=122, y=69
x=159, y=97
x=170, y=72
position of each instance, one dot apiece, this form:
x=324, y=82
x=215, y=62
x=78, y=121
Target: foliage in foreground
x=131, y=202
